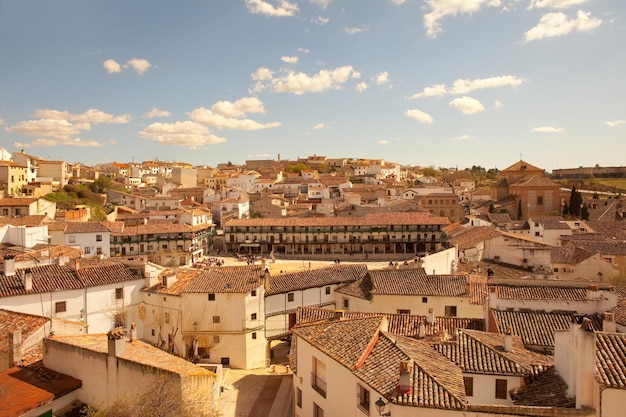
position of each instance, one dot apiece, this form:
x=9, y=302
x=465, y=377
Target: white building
x=92, y=238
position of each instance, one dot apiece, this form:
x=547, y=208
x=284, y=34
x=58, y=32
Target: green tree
x=430, y=171
x=584, y=212
x=519, y=210
x=575, y=202
x=492, y=208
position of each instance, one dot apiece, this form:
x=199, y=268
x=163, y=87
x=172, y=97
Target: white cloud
x=320, y=126
x=322, y=3
x=547, y=129
x=262, y=74
x=156, y=113
x=1, y=121
x=289, y=59
x=614, y=123
x=321, y=20
x=46, y=143
x=283, y=8
x=419, y=115
x=91, y=116
x=559, y=24
x=436, y=90
x=397, y=1
x=463, y=137
x=299, y=83
x=462, y=86
x=50, y=128
x=303, y=50
x=355, y=30
x=210, y=118
x=138, y=64
x=441, y=8
x=111, y=66
x=383, y=142
x=497, y=104
x=238, y=108
x=554, y=4
x=360, y=87
x=189, y=134
x=467, y=105
x=382, y=78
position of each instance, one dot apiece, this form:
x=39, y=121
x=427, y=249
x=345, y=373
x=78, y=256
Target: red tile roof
x=611, y=359
x=25, y=389
x=375, y=219
x=313, y=278
x=227, y=279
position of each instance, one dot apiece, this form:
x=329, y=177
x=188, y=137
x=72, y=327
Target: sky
x=441, y=83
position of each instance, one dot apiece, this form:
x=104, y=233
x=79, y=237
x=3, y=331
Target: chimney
x=63, y=260
x=116, y=342
x=430, y=318
x=9, y=265
x=468, y=287
x=422, y=330
x=133, y=332
x=608, y=323
x=593, y=293
x=338, y=315
x=508, y=339
x=404, y=385
x=15, y=348
x=77, y=264
x=28, y=280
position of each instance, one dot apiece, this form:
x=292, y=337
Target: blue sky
x=439, y=83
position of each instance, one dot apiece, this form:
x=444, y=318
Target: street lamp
x=380, y=406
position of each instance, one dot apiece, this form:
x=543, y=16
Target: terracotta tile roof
x=608, y=247
x=227, y=279
x=472, y=236
x=33, y=220
x=524, y=238
x=19, y=201
x=547, y=390
x=48, y=278
x=536, y=328
x=550, y=222
x=184, y=277
x=521, y=166
x=537, y=292
x=25, y=389
x=367, y=220
x=571, y=255
x=375, y=356
x=136, y=351
x=483, y=353
x=11, y=321
x=621, y=292
x=400, y=324
x=535, y=181
x=611, y=359
x=85, y=227
x=313, y=278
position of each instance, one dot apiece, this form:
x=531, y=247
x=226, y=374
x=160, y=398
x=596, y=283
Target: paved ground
x=265, y=392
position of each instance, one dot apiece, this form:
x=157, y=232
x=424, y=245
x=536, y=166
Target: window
x=5, y=212
x=253, y=316
x=501, y=389
x=290, y=297
x=363, y=399
x=317, y=411
x=318, y=377
x=253, y=335
x=327, y=290
x=211, y=297
x=468, y=381
x=119, y=293
x=60, y=307
x=253, y=293
x=87, y=250
x=540, y=200
x=216, y=319
x=98, y=238
x=346, y=303
x=299, y=397
x=72, y=239
x=402, y=311
x=153, y=332
x=167, y=317
x=216, y=339
x=450, y=311
x=424, y=300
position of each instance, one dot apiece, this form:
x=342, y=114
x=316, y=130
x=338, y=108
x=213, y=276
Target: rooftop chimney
x=116, y=342
x=77, y=264
x=508, y=339
x=593, y=293
x=9, y=265
x=608, y=323
x=338, y=315
x=28, y=280
x=404, y=385
x=15, y=348
x=468, y=287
